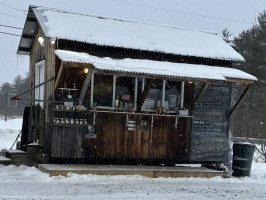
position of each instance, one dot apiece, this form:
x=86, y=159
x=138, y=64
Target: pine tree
x=250, y=117
x=19, y=85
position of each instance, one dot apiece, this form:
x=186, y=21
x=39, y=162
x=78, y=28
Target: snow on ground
x=19, y=183
x=9, y=130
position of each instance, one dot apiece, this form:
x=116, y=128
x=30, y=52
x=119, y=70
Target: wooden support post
x=163, y=94
x=239, y=100
x=60, y=73
x=94, y=118
x=144, y=94
x=199, y=95
x=182, y=94
x=85, y=86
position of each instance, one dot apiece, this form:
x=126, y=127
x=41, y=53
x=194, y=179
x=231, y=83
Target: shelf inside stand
x=70, y=125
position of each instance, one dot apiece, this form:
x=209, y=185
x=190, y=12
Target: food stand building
x=108, y=90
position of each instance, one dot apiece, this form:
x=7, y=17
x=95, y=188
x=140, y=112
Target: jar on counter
x=62, y=120
x=72, y=121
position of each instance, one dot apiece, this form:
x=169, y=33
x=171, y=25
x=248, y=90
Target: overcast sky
x=238, y=15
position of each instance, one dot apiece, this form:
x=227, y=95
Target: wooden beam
x=239, y=81
x=144, y=94
x=83, y=65
x=60, y=73
x=239, y=100
x=85, y=86
x=199, y=95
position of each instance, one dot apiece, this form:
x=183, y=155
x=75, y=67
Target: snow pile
x=151, y=67
x=133, y=35
x=9, y=130
x=257, y=156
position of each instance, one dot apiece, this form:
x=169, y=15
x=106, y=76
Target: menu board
x=210, y=126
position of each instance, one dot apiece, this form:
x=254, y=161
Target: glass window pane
x=154, y=97
x=103, y=90
x=172, y=94
x=124, y=94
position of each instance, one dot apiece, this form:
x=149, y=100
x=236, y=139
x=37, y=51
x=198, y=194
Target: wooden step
x=149, y=171
x=4, y=160
x=15, y=154
x=18, y=157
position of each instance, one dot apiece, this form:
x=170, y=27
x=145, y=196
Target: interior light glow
x=86, y=70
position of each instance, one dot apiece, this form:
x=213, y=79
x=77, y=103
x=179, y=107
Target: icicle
x=17, y=58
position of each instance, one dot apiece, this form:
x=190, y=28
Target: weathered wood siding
x=120, y=53
x=50, y=69
x=162, y=140
x=37, y=54
x=67, y=142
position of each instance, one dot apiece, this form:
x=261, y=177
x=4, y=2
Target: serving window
x=120, y=93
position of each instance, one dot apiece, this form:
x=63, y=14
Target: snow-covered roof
x=133, y=35
x=155, y=68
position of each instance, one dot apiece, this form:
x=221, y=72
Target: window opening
x=125, y=93
x=103, y=90
x=154, y=97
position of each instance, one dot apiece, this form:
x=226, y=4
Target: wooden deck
x=148, y=171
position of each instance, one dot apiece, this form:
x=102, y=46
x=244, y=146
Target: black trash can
x=242, y=159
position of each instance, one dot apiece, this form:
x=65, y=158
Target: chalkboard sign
x=210, y=127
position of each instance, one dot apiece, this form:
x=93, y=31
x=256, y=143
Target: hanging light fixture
x=86, y=70
x=41, y=41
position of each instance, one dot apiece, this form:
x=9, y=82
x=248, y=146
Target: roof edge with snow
x=165, y=39
x=157, y=68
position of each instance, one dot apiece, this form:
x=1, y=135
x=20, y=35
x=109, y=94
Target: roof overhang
x=154, y=69
x=28, y=33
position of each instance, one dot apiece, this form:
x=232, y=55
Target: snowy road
x=29, y=183
x=21, y=183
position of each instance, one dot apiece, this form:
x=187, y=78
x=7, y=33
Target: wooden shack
x=109, y=90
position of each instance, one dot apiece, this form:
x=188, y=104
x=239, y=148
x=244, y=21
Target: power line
x=12, y=15
x=12, y=7
x=9, y=34
x=181, y=12
x=10, y=26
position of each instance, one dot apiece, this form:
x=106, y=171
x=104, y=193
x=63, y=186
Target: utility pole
x=6, y=108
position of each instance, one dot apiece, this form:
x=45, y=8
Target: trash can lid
x=246, y=144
